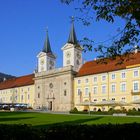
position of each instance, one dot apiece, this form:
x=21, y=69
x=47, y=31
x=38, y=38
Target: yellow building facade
x=19, y=90
x=108, y=85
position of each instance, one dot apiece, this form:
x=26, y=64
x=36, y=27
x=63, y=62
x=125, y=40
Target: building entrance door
x=50, y=105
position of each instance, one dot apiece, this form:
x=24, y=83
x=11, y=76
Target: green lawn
x=44, y=119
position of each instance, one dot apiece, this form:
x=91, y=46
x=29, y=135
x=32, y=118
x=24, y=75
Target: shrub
x=71, y=132
x=74, y=110
x=19, y=132
x=133, y=112
x=134, y=109
x=97, y=132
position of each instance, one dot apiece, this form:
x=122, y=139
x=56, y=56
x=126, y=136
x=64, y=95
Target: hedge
x=110, y=112
x=71, y=132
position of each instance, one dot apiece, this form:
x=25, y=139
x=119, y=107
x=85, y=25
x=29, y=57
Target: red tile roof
x=17, y=82
x=92, y=67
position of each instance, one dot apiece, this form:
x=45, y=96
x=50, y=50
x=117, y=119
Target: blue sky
x=23, y=26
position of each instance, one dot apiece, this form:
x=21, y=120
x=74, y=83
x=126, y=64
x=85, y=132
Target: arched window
x=65, y=92
x=38, y=95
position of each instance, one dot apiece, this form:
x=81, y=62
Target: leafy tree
x=127, y=38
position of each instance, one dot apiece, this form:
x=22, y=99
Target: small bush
x=134, y=109
x=74, y=110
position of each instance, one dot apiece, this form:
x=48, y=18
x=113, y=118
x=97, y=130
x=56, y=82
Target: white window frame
x=86, y=80
x=134, y=73
x=96, y=89
x=114, y=76
x=95, y=81
x=22, y=97
x=79, y=81
x=121, y=88
x=87, y=92
x=122, y=75
x=114, y=90
x=78, y=91
x=134, y=82
x=105, y=89
x=103, y=78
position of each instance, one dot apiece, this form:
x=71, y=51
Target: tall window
x=86, y=80
x=103, y=78
x=113, y=76
x=79, y=81
x=21, y=97
x=136, y=73
x=136, y=86
x=113, y=88
x=123, y=75
x=95, y=79
x=65, y=92
x=78, y=91
x=38, y=95
x=103, y=88
x=95, y=90
x=123, y=87
x=86, y=91
x=16, y=97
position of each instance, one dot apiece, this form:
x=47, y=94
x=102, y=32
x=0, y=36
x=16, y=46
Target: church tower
x=46, y=58
x=72, y=51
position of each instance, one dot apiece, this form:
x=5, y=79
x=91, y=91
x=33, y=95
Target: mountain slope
x=3, y=75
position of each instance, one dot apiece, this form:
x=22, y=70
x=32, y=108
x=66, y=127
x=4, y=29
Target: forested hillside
x=5, y=76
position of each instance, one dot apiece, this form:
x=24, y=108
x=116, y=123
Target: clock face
x=68, y=54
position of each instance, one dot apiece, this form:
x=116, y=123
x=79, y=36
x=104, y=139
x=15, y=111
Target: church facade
x=54, y=86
